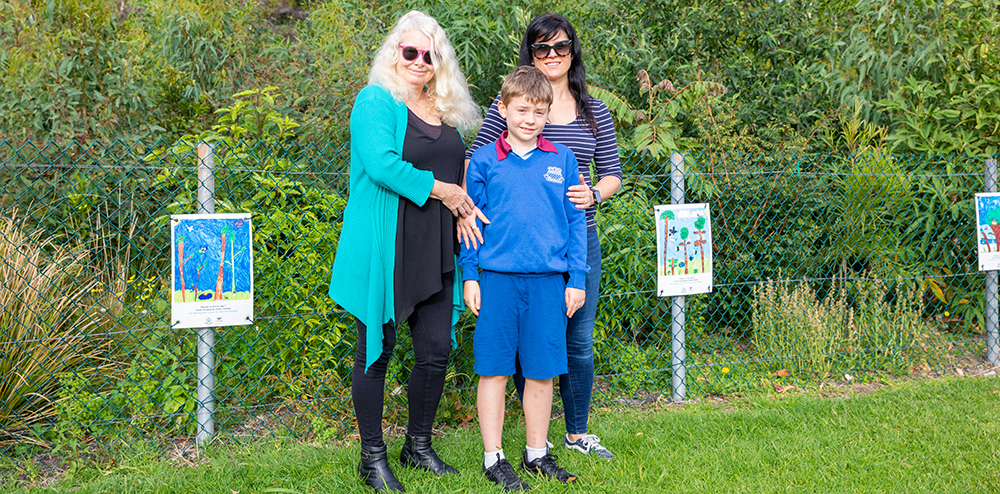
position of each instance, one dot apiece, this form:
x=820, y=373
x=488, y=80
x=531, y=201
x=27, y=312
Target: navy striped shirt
x=602, y=150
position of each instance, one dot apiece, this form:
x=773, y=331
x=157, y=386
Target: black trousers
x=430, y=328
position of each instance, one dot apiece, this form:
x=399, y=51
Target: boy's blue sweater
x=534, y=228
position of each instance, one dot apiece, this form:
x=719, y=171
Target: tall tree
x=222, y=262
x=180, y=258
x=197, y=272
x=666, y=216
x=684, y=235
x=700, y=225
x=232, y=259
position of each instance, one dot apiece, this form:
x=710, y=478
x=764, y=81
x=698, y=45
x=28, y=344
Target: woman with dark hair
x=396, y=257
x=583, y=124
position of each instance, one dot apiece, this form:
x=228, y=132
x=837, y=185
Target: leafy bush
x=154, y=391
x=296, y=228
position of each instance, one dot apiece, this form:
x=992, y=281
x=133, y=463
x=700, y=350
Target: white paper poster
x=683, y=249
x=988, y=230
x=212, y=270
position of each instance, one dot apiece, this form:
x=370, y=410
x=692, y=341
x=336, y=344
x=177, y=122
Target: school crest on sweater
x=554, y=175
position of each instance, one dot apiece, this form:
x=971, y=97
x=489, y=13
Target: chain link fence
x=828, y=269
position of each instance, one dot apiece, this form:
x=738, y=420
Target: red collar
x=503, y=148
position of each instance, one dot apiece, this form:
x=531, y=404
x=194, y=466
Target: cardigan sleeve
x=373, y=134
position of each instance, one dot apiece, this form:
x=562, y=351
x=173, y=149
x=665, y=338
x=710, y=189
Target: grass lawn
x=933, y=436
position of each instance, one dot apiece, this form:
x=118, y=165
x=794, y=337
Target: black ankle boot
x=417, y=452
x=374, y=470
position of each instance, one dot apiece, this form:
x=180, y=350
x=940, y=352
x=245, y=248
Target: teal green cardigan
x=362, y=279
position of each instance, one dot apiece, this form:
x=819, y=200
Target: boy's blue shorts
x=522, y=316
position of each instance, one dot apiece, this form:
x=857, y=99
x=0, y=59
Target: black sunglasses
x=411, y=53
x=542, y=50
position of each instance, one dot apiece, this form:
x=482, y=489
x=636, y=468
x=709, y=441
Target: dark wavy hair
x=544, y=28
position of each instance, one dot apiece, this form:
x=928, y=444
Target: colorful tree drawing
x=233, y=264
x=232, y=258
x=666, y=216
x=684, y=235
x=700, y=225
x=993, y=217
x=222, y=262
x=197, y=271
x=986, y=240
x=180, y=257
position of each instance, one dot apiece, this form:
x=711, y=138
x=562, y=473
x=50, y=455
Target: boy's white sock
x=491, y=458
x=534, y=454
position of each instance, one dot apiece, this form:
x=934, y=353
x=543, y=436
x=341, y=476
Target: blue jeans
x=575, y=386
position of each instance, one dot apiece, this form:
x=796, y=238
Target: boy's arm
x=576, y=251
x=470, y=293
x=475, y=181
x=574, y=300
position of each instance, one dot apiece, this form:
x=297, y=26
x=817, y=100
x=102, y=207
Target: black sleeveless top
x=425, y=236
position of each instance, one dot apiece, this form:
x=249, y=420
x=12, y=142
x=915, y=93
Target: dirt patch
x=184, y=451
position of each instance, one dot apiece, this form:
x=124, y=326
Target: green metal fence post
x=992, y=326
x=678, y=379
x=206, y=336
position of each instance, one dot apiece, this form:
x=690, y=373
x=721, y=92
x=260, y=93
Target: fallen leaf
x=995, y=391
x=234, y=492
x=781, y=389
x=783, y=373
x=638, y=434
x=959, y=371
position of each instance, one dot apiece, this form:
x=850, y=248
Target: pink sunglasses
x=410, y=53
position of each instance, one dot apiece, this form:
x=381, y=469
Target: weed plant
x=860, y=327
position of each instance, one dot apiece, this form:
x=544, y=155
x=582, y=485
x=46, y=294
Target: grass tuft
x=54, y=308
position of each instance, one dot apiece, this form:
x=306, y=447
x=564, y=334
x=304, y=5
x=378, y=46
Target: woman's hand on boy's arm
x=574, y=299
x=583, y=197
x=468, y=229
x=471, y=295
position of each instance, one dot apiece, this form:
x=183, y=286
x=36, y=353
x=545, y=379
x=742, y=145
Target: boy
x=534, y=261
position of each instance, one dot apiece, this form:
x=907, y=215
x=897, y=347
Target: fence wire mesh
x=827, y=269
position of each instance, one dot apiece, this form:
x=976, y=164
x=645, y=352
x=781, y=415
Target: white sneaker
x=588, y=444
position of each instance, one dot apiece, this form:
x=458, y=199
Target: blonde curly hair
x=447, y=90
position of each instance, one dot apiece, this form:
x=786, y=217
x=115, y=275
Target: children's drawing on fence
x=212, y=269
x=988, y=230
x=683, y=249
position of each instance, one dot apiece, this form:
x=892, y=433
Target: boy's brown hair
x=529, y=82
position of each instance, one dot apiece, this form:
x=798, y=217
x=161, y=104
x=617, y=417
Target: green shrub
x=155, y=391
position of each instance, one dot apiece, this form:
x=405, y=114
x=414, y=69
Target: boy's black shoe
x=502, y=472
x=547, y=466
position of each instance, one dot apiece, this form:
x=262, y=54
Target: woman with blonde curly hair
x=396, y=257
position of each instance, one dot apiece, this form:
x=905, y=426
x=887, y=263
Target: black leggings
x=430, y=329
